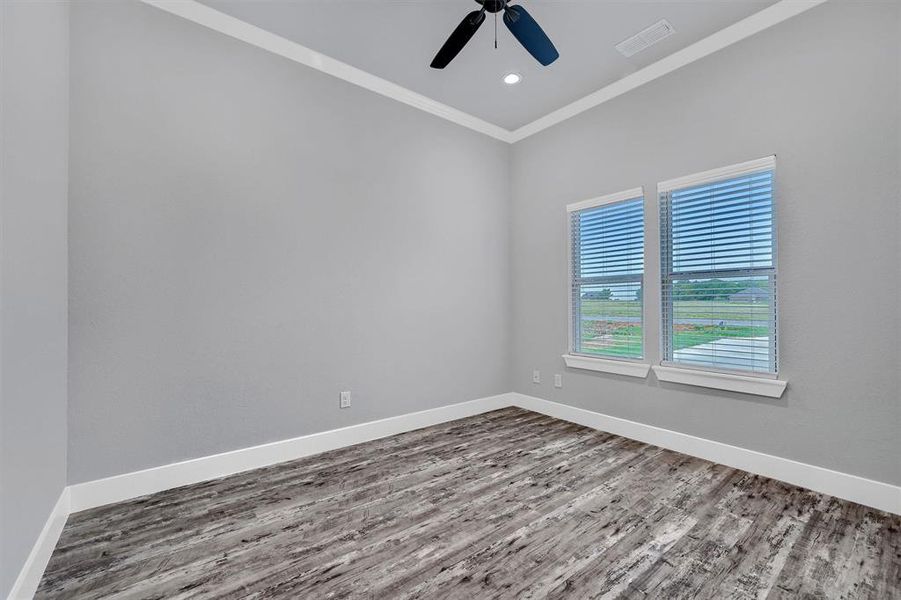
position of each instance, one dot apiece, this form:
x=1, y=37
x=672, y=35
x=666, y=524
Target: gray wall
x=33, y=162
x=821, y=91
x=248, y=237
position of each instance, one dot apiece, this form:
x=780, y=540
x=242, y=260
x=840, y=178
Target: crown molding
x=218, y=21
x=772, y=15
x=241, y=30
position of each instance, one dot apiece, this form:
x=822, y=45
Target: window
x=607, y=254
x=718, y=267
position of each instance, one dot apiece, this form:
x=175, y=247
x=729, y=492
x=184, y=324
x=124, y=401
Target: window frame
x=668, y=276
x=578, y=358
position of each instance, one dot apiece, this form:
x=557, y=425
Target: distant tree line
x=603, y=294
x=714, y=289
x=705, y=289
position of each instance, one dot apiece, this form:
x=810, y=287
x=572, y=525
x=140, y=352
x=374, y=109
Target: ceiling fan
x=518, y=21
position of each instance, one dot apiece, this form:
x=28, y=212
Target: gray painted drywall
x=248, y=237
x=34, y=113
x=821, y=92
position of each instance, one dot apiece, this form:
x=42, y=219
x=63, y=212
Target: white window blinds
x=607, y=259
x=718, y=267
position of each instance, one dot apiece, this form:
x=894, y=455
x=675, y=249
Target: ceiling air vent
x=646, y=38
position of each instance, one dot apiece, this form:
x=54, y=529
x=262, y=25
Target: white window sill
x=619, y=367
x=759, y=386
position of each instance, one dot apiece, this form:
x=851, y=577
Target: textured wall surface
x=34, y=111
x=248, y=237
x=821, y=91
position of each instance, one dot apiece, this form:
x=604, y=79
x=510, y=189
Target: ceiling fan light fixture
x=512, y=78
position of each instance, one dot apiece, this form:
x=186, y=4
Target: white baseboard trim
x=118, y=488
x=91, y=494
x=132, y=485
x=29, y=578
x=876, y=494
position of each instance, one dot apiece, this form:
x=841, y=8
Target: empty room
x=467, y=299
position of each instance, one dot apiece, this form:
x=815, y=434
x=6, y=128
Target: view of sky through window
x=608, y=266
x=719, y=280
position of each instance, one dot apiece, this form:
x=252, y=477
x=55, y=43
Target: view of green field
x=697, y=309
x=613, y=327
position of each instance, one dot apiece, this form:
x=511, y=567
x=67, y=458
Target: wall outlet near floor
x=345, y=400
x=536, y=376
x=558, y=380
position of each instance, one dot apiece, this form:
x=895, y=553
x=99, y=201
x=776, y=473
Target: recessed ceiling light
x=512, y=78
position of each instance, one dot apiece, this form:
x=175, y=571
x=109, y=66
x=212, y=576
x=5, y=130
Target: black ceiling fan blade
x=530, y=35
x=462, y=34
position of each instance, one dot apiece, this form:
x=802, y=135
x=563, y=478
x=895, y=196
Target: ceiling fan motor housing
x=492, y=6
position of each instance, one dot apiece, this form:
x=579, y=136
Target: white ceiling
x=396, y=40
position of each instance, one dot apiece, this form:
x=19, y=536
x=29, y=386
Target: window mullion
x=717, y=305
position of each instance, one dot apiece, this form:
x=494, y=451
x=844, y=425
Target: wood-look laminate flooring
x=509, y=504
